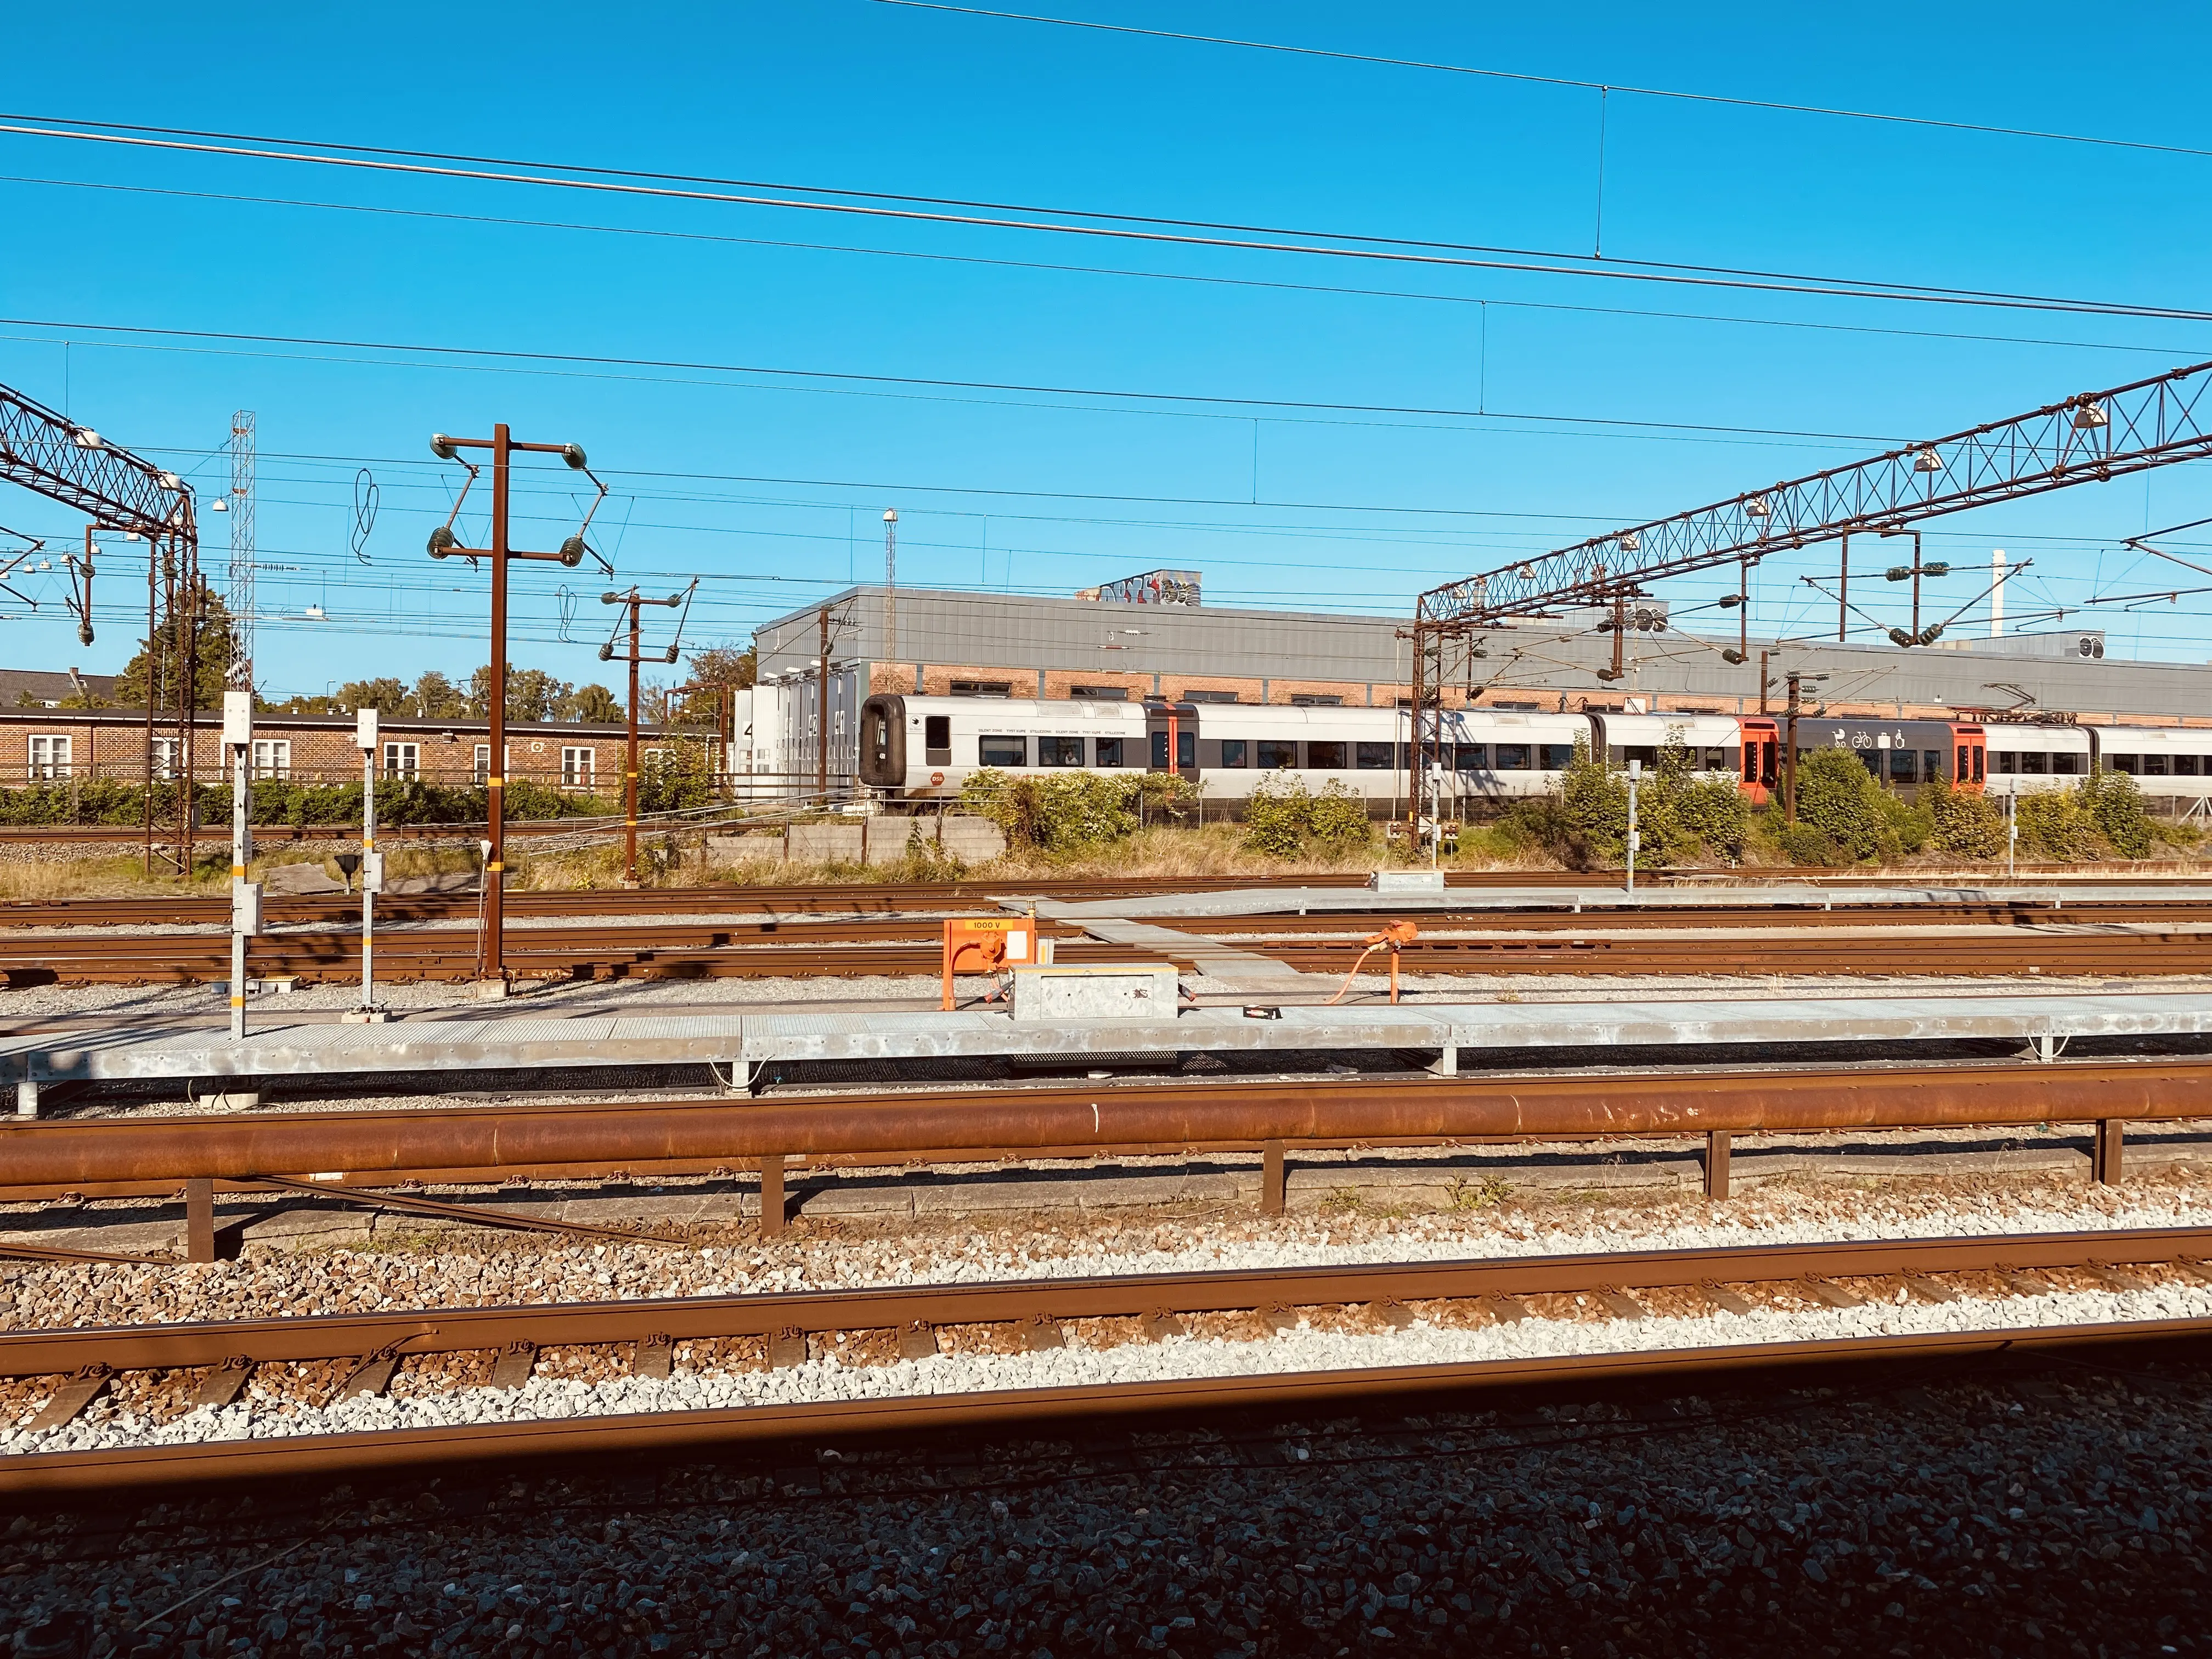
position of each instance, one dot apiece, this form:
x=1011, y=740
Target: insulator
x=441, y=446
x=573, y=454
x=1939, y=568
x=1729, y=601
x=1932, y=633
x=1898, y=573
x=84, y=632
x=442, y=541
x=573, y=551
x=1732, y=655
x=670, y=657
x=606, y=654
x=1899, y=637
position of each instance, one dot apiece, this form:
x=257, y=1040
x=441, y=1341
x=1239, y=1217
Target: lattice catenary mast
x=240, y=596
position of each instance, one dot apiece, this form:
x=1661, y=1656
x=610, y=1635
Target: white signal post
x=1635, y=835
x=372, y=870
x=245, y=895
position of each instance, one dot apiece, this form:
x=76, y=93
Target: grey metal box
x=1108, y=991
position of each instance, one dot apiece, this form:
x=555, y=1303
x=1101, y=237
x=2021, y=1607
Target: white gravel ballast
x=1177, y=1359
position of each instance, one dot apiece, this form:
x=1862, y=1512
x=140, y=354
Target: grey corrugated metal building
x=1025, y=646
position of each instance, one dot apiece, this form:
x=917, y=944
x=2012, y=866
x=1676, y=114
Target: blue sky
x=771, y=486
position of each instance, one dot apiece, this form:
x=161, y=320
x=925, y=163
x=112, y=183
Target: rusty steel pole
x=1789, y=754
x=822, y=717
x=1843, y=587
x=491, y=956
x=491, y=964
x=629, y=758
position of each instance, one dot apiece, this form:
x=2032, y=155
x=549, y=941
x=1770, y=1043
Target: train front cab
x=1761, y=758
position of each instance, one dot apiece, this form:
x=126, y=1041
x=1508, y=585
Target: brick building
x=48, y=744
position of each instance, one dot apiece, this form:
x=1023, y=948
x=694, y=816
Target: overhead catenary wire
x=1078, y=221
x=1890, y=117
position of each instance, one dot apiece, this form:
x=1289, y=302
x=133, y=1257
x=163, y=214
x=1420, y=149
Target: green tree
x=164, y=658
x=593, y=705
x=2057, y=823
x=1284, y=818
x=437, y=698
x=531, y=694
x=1838, y=800
x=387, y=696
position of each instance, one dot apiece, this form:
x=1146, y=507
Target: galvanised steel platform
x=1357, y=901
x=1892, y=1025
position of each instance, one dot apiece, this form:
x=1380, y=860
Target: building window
x=1003, y=751
x=49, y=757
x=273, y=757
x=1235, y=752
x=1314, y=700
x=482, y=771
x=654, y=760
x=165, y=757
x=1100, y=693
x=1373, y=756
x=405, y=760
x=1193, y=695
x=1060, y=751
x=1110, y=752
x=576, y=767
x=983, y=688
x=1273, y=753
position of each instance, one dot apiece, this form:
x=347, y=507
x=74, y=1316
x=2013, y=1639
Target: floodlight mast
x=2090, y=438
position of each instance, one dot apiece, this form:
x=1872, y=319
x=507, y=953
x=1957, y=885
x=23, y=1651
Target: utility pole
x=821, y=715
x=1843, y=587
x=491, y=964
x=634, y=601
x=891, y=585
x=1764, y=680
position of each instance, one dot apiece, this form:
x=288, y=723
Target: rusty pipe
x=68, y=1154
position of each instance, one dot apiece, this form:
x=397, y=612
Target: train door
x=1174, y=732
x=1759, y=760
x=1970, y=757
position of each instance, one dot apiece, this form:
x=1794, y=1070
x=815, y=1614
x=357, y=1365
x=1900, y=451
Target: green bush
x=276, y=800
x=1962, y=822
x=1683, y=819
x=1838, y=797
x=2115, y=801
x=1064, y=814
x=2056, y=824
x=1284, y=818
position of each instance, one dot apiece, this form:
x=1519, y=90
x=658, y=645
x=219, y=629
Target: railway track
x=160, y=1372
x=2083, y=944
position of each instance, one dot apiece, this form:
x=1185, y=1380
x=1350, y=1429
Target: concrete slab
x=1893, y=1023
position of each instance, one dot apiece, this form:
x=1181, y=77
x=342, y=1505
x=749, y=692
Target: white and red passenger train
x=923, y=748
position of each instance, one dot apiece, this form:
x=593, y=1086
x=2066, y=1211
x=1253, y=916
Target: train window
x=1750, y=763
x=1712, y=761
x=1931, y=764
x=1187, y=748
x=1871, y=759
x=2004, y=761
x=1273, y=753
x=1981, y=763
x=1159, y=752
x=1110, y=752
x=1235, y=752
x=878, y=731
x=1328, y=756
x=2033, y=761
x=936, y=739
x=2185, y=766
x=1003, y=751
x=1904, y=766
x=1554, y=756
x=1468, y=757
x=2154, y=766
x=1769, y=759
x=2066, y=765
x=1513, y=757
x=1644, y=753
x=1060, y=751
x=1372, y=757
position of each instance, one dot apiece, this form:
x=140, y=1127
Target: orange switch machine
x=987, y=945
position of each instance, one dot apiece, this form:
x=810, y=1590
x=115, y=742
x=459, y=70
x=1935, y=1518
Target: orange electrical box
x=985, y=944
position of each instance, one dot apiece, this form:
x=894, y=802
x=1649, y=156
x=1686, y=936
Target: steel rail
x=1498, y=1284
x=1089, y=1119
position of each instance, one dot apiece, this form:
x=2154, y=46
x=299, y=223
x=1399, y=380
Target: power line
x=1527, y=78
x=1232, y=401
x=1192, y=277
x=1337, y=244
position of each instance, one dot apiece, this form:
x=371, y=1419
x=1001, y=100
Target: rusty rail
x=1087, y=1120
x=1487, y=1290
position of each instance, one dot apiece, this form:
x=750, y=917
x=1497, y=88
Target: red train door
x=1759, y=772
x=1970, y=757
